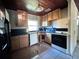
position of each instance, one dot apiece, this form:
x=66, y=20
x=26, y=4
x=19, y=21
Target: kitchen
x=52, y=27
x=41, y=29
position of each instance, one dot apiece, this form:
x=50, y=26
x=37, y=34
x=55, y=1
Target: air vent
x=47, y=10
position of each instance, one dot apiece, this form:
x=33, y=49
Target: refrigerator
x=4, y=38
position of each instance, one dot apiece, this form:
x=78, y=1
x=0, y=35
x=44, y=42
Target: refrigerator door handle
x=4, y=46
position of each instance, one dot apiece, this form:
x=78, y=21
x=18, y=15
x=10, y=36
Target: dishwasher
x=33, y=38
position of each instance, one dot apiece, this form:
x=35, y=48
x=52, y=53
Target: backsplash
x=51, y=29
x=16, y=32
x=61, y=29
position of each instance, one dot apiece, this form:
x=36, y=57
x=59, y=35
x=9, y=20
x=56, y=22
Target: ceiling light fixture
x=34, y=5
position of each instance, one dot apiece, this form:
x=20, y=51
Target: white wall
x=72, y=13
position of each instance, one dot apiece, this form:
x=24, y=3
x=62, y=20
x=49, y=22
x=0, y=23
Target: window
x=33, y=22
x=32, y=25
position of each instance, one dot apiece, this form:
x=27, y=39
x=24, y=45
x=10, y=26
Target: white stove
x=61, y=42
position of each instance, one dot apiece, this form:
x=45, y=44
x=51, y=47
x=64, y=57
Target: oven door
x=59, y=40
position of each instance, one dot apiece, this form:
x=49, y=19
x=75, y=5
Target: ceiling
x=48, y=5
x=77, y=3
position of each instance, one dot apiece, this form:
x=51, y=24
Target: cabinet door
x=15, y=44
x=56, y=14
x=22, y=19
x=41, y=37
x=59, y=40
x=24, y=41
x=48, y=38
x=50, y=16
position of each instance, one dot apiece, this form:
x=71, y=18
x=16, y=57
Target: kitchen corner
x=56, y=37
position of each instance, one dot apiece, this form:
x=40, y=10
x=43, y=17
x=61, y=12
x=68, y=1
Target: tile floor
x=42, y=51
x=76, y=52
x=28, y=53
x=52, y=53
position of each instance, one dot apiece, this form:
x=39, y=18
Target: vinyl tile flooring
x=43, y=51
x=28, y=53
x=76, y=52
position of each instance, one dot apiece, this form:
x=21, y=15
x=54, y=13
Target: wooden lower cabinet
x=18, y=42
x=42, y=37
x=15, y=43
x=24, y=41
x=48, y=38
x=45, y=37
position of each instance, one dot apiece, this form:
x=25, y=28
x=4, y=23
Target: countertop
x=63, y=34
x=17, y=32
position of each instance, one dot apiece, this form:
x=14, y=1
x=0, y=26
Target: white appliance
x=33, y=38
x=63, y=34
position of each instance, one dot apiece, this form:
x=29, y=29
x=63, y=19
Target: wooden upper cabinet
x=22, y=19
x=50, y=16
x=56, y=14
